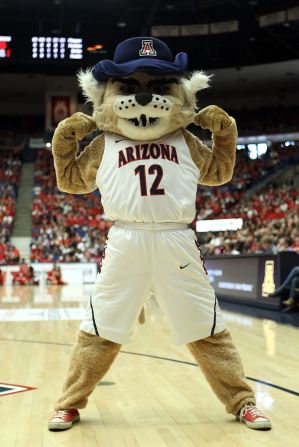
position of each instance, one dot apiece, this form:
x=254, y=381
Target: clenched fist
x=213, y=118
x=77, y=125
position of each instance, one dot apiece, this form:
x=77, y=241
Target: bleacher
x=270, y=215
x=10, y=169
x=66, y=228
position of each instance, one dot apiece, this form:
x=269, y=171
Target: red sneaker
x=254, y=418
x=64, y=419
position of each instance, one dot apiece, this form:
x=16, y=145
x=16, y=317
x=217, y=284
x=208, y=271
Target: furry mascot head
x=143, y=93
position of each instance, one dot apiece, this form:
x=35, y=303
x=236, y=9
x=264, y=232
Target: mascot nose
x=143, y=98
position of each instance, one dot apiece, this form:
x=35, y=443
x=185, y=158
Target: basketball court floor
x=153, y=396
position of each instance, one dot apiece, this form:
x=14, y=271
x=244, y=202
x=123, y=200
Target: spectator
x=284, y=244
x=55, y=277
x=25, y=275
x=290, y=288
x=267, y=245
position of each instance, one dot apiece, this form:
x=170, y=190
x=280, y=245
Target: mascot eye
x=128, y=89
x=160, y=89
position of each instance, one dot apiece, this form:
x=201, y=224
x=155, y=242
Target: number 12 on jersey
x=152, y=170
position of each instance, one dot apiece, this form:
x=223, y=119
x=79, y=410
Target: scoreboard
x=5, y=50
x=56, y=47
x=37, y=50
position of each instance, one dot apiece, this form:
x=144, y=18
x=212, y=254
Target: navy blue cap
x=141, y=54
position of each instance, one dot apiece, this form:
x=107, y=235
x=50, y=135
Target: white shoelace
x=253, y=410
x=60, y=414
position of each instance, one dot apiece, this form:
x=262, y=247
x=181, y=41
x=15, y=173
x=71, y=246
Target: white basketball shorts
x=159, y=259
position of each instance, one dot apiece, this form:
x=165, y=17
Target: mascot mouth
x=143, y=121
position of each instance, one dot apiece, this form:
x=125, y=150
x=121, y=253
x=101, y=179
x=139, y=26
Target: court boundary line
x=168, y=359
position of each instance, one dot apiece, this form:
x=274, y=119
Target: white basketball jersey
x=153, y=181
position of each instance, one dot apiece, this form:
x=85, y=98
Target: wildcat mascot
x=147, y=167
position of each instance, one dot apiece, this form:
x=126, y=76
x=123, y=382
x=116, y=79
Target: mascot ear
x=92, y=89
x=196, y=82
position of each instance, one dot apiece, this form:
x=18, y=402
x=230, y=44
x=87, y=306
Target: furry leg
x=220, y=362
x=91, y=358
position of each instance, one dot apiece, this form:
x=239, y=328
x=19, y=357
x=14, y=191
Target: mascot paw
x=213, y=118
x=77, y=125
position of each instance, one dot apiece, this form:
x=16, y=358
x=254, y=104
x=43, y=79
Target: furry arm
x=76, y=174
x=216, y=165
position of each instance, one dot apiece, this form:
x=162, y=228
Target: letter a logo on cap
x=147, y=48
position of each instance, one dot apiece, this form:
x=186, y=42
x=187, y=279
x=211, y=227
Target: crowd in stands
x=271, y=225
x=66, y=228
x=271, y=218
x=69, y=228
x=9, y=254
x=10, y=169
x=212, y=202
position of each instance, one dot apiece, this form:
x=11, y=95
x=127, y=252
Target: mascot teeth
x=143, y=120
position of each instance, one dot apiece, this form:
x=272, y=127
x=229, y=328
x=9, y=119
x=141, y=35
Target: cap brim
x=106, y=69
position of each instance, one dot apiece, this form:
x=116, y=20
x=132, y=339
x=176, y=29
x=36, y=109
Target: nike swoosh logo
x=184, y=266
x=118, y=141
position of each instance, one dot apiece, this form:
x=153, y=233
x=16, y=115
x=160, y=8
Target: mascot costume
x=147, y=167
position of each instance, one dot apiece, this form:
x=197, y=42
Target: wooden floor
x=144, y=401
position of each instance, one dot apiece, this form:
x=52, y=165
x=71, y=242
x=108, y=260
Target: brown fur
x=76, y=175
x=141, y=317
x=221, y=364
x=216, y=165
x=91, y=358
x=217, y=357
